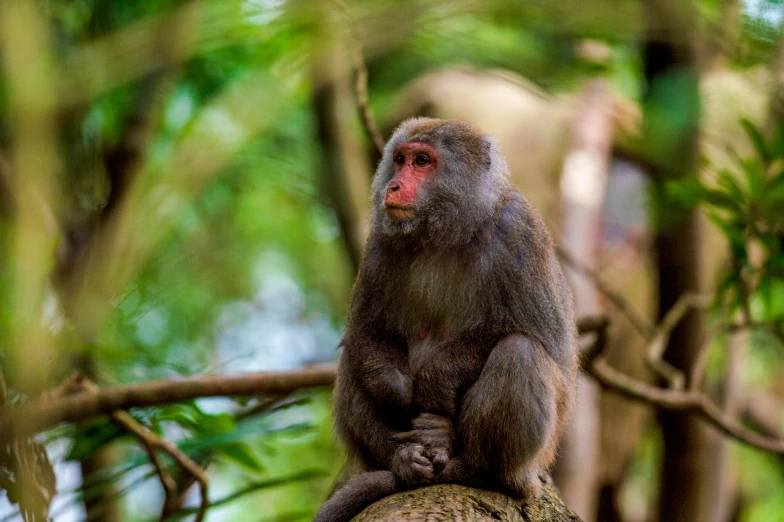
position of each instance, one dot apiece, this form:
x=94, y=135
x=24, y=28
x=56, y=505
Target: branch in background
x=39, y=415
x=689, y=401
x=643, y=326
x=77, y=384
x=360, y=87
x=658, y=336
x=344, y=181
x=153, y=442
x=661, y=338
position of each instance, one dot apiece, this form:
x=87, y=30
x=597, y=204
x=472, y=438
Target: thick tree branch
x=36, y=416
x=447, y=502
x=39, y=415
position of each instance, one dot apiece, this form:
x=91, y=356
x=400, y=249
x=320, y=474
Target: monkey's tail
x=357, y=494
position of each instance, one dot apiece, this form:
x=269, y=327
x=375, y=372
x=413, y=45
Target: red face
x=414, y=162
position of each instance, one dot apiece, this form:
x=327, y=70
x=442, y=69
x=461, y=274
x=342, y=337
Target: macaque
x=459, y=358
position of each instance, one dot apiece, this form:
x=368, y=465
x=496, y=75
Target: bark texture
x=453, y=503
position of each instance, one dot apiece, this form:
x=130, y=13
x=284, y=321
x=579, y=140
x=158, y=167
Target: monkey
x=459, y=356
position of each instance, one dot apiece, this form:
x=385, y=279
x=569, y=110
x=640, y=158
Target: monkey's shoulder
x=519, y=238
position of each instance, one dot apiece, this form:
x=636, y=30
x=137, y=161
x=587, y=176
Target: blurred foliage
x=746, y=204
x=235, y=254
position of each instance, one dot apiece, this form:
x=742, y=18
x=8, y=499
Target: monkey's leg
x=507, y=425
x=357, y=494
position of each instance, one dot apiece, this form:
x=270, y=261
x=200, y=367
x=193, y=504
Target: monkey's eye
x=400, y=159
x=421, y=159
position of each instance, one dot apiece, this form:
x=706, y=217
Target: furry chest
x=422, y=347
x=441, y=293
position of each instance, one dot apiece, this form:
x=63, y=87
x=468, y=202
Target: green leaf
x=777, y=143
x=241, y=454
x=728, y=183
x=91, y=437
x=186, y=415
x=757, y=140
x=756, y=178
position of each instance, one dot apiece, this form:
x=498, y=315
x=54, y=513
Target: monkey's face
x=438, y=181
x=414, y=164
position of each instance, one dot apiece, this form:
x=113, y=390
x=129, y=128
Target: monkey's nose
x=394, y=186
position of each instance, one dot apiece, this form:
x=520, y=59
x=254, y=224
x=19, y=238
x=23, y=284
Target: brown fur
x=460, y=354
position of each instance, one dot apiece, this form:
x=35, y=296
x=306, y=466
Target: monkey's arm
x=366, y=429
x=380, y=366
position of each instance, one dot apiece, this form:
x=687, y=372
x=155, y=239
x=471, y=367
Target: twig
x=657, y=337
x=35, y=416
x=153, y=442
x=167, y=482
x=690, y=401
x=250, y=488
x=360, y=85
x=76, y=383
x=698, y=368
x=271, y=403
x=643, y=327
x=661, y=336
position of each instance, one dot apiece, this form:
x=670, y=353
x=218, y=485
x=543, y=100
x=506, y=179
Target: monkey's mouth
x=398, y=213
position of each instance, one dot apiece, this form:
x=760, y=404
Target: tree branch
x=39, y=415
x=36, y=416
x=690, y=401
x=153, y=442
x=360, y=86
x=639, y=323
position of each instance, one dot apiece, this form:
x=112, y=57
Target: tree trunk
x=449, y=502
x=583, y=188
x=345, y=168
x=690, y=480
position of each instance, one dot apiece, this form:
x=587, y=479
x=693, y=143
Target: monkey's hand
x=410, y=464
x=436, y=434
